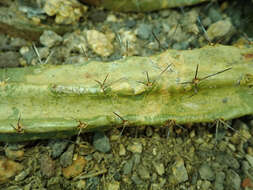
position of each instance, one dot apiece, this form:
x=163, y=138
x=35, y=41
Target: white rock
x=219, y=29
x=99, y=43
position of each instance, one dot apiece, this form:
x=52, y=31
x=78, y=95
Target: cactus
x=142, y=5
x=51, y=101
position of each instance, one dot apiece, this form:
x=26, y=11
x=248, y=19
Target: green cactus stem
x=142, y=5
x=59, y=101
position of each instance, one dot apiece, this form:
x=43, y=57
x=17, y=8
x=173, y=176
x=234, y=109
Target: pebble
x=47, y=166
x=227, y=160
x=179, y=171
x=165, y=13
x=75, y=42
x=14, y=154
x=128, y=37
x=128, y=166
x=111, y=18
x=219, y=180
x=113, y=186
x=66, y=12
x=136, y=147
x=205, y=185
x=233, y=180
x=101, y=142
x=81, y=184
x=75, y=169
x=137, y=159
x=130, y=23
x=50, y=38
x=219, y=29
x=206, y=173
x=246, y=167
x=214, y=14
x=8, y=169
x=27, y=53
x=122, y=150
x=159, y=167
x=144, y=31
x=93, y=183
x=22, y=175
x=143, y=172
x=67, y=157
x=57, y=147
x=249, y=159
x=99, y=43
x=9, y=59
x=149, y=131
x=136, y=179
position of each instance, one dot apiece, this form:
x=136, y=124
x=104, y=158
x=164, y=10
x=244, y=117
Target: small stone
x=111, y=18
x=136, y=147
x=122, y=150
x=128, y=37
x=14, y=154
x=179, y=171
x=245, y=167
x=130, y=23
x=214, y=14
x=206, y=185
x=66, y=12
x=47, y=166
x=67, y=157
x=9, y=59
x=23, y=50
x=22, y=175
x=159, y=167
x=227, y=160
x=137, y=159
x=57, y=147
x=101, y=142
x=81, y=184
x=113, y=186
x=75, y=42
x=231, y=147
x=206, y=173
x=249, y=159
x=136, y=179
x=75, y=169
x=143, y=172
x=219, y=29
x=114, y=137
x=99, y=43
x=155, y=186
x=8, y=169
x=128, y=166
x=54, y=182
x=219, y=181
x=50, y=38
x=149, y=131
x=165, y=13
x=144, y=31
x=233, y=180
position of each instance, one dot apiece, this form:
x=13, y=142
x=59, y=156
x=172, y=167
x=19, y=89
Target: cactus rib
x=55, y=101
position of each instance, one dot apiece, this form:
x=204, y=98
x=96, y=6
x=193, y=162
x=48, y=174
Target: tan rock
x=8, y=169
x=99, y=43
x=75, y=169
x=14, y=154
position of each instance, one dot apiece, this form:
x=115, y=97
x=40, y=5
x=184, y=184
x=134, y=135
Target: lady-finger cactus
x=51, y=101
x=142, y=5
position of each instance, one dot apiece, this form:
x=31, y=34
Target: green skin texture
x=51, y=99
x=145, y=5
